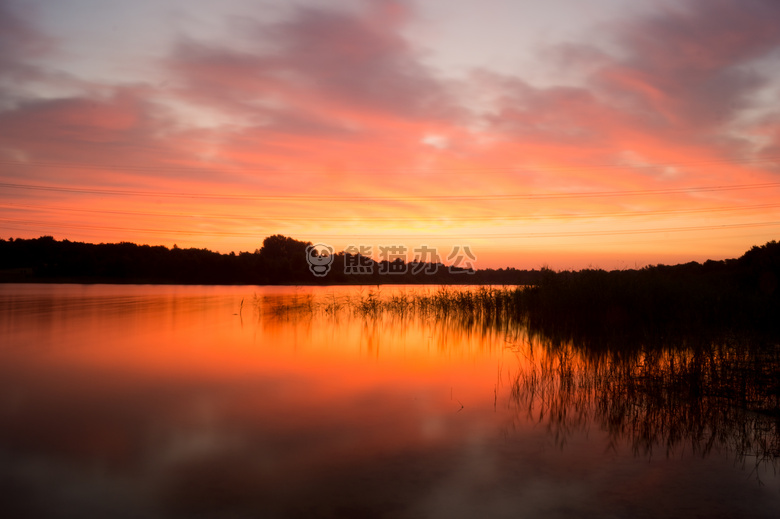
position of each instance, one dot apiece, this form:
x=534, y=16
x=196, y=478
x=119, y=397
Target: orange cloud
x=329, y=126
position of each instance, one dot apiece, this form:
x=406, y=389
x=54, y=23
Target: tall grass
x=493, y=305
x=595, y=310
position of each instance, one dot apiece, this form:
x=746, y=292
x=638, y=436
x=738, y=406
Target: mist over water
x=195, y=401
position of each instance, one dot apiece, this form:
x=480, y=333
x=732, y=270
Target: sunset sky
x=536, y=133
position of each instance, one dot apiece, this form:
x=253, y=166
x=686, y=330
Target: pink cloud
x=681, y=79
x=19, y=42
x=690, y=64
x=80, y=129
x=333, y=102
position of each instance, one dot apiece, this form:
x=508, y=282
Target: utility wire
x=410, y=235
x=519, y=167
x=332, y=218
x=317, y=198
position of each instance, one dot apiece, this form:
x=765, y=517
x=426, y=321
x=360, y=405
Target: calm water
x=173, y=401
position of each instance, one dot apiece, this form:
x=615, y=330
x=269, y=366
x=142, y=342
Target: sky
x=565, y=134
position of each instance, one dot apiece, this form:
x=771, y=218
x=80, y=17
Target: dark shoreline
x=715, y=296
x=280, y=261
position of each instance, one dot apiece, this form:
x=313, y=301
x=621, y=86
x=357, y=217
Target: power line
x=519, y=167
x=332, y=218
x=127, y=229
x=317, y=198
x=438, y=236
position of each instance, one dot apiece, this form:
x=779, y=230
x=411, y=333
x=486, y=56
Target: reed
x=593, y=309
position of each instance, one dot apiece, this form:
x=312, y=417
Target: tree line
x=280, y=260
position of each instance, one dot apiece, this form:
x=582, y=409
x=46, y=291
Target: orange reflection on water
x=175, y=401
x=179, y=350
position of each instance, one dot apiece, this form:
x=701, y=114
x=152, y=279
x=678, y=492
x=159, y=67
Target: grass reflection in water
x=663, y=393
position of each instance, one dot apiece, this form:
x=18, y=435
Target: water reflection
x=183, y=401
x=662, y=402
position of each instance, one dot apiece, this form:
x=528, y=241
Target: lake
x=200, y=401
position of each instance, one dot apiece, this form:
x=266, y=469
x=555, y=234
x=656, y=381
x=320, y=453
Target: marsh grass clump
x=485, y=310
x=482, y=303
x=597, y=311
x=295, y=307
